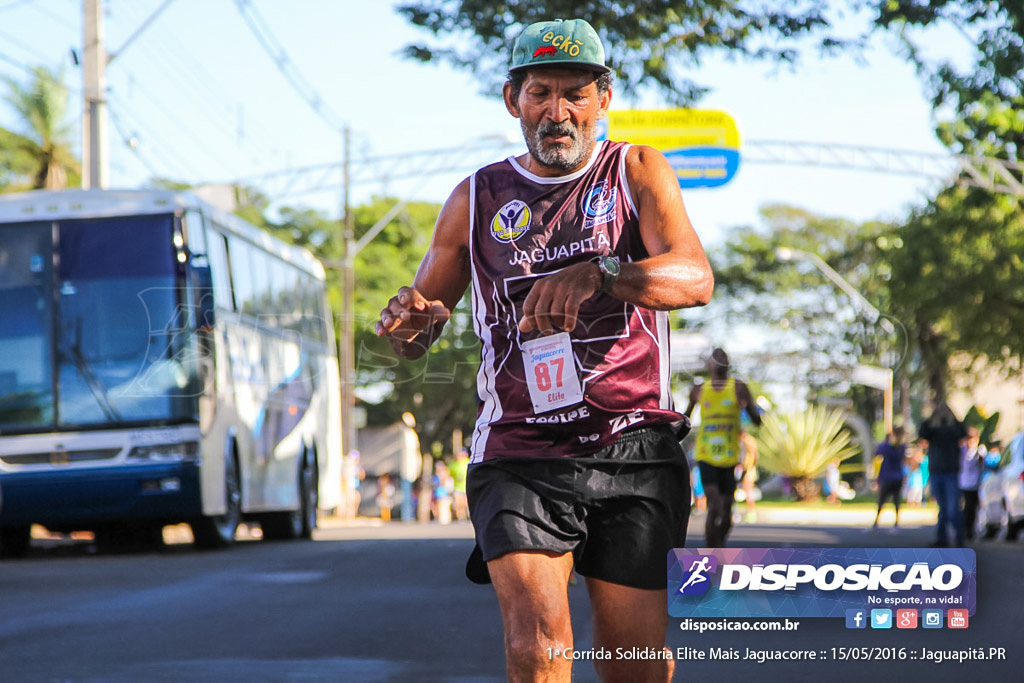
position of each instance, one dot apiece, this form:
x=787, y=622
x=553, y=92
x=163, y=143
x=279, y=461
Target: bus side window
x=241, y=276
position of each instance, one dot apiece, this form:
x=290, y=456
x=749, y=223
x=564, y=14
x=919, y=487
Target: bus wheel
x=15, y=540
x=285, y=526
x=218, y=531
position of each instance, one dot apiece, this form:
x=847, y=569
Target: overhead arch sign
x=702, y=145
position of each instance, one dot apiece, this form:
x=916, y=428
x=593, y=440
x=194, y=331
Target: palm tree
x=40, y=156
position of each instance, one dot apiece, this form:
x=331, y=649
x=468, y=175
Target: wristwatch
x=610, y=268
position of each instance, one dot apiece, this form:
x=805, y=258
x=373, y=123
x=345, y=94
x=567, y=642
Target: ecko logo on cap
x=817, y=582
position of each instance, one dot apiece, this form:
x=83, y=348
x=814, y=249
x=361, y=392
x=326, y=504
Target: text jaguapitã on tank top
x=569, y=393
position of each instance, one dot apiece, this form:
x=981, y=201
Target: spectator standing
x=385, y=496
x=748, y=477
x=459, y=468
x=972, y=464
x=915, y=475
x=411, y=465
x=943, y=432
x=442, y=484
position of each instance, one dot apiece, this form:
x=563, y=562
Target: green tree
x=649, y=43
x=958, y=281
x=440, y=388
x=804, y=319
x=980, y=103
x=40, y=155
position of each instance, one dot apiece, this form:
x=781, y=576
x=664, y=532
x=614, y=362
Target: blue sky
x=202, y=101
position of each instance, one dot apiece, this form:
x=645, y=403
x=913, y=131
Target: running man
x=722, y=398
x=576, y=252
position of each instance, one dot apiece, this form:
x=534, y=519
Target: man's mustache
x=558, y=129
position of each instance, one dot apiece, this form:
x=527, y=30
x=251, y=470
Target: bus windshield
x=91, y=332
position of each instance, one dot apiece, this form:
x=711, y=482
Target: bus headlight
x=167, y=452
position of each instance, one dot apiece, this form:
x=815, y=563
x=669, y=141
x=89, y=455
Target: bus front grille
x=60, y=457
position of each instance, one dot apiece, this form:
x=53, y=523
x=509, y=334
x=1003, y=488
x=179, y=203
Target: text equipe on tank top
x=560, y=418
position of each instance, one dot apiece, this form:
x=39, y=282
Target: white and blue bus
x=161, y=361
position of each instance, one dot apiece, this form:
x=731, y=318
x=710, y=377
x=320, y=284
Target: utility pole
x=95, y=163
x=348, y=283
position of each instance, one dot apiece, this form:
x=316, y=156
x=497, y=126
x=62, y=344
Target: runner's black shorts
x=619, y=511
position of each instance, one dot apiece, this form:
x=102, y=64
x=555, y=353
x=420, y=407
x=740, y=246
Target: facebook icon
x=856, y=618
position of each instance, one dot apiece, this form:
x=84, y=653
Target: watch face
x=611, y=265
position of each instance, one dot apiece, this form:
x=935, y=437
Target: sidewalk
x=795, y=514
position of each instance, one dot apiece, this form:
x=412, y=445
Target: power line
x=199, y=92
x=285, y=65
x=130, y=143
x=12, y=5
x=27, y=48
x=42, y=9
x=169, y=157
x=15, y=63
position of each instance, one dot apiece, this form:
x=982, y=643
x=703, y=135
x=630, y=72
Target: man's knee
x=622, y=670
x=526, y=651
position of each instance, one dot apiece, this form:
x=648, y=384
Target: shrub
x=801, y=446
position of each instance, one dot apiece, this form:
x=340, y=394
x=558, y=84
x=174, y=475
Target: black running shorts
x=619, y=511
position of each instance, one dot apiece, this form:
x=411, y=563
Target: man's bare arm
x=415, y=316
x=694, y=399
x=677, y=273
x=746, y=400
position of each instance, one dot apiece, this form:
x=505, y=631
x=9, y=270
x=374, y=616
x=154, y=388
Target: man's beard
x=562, y=157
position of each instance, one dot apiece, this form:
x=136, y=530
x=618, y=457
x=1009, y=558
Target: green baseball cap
x=560, y=42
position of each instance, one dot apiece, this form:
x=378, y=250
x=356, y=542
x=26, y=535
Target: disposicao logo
x=696, y=580
x=819, y=582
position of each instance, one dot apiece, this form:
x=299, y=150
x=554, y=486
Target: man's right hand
x=407, y=316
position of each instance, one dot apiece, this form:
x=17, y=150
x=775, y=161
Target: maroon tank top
x=545, y=398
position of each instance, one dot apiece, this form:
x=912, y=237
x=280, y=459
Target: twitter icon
x=881, y=618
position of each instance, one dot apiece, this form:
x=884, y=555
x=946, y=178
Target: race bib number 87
x=551, y=373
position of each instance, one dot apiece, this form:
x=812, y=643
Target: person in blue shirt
x=891, y=472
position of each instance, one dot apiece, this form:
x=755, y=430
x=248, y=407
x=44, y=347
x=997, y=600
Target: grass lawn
x=860, y=503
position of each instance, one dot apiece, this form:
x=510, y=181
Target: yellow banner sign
x=703, y=145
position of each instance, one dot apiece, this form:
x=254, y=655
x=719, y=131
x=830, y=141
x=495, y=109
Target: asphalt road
x=371, y=602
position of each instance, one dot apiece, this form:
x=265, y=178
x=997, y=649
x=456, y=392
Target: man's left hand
x=554, y=301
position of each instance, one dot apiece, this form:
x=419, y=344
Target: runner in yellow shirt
x=721, y=400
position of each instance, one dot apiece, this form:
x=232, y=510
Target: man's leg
x=720, y=487
x=629, y=618
x=713, y=535
x=532, y=589
x=940, y=484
